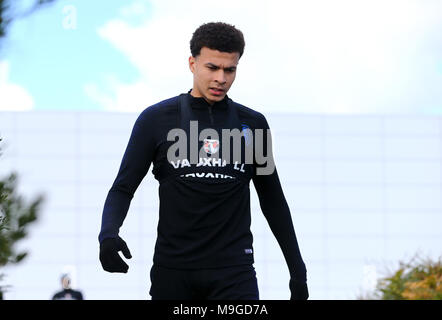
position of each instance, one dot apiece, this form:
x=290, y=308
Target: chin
x=216, y=98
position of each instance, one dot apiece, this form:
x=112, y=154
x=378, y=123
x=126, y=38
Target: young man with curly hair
x=204, y=243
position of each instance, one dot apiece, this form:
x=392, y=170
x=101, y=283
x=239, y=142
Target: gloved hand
x=298, y=289
x=109, y=257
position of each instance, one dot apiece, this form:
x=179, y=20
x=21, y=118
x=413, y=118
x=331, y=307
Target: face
x=213, y=73
x=66, y=283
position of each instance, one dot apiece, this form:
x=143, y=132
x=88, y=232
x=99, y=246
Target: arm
x=277, y=213
x=134, y=166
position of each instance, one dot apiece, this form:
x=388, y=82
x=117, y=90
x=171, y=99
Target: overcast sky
x=331, y=56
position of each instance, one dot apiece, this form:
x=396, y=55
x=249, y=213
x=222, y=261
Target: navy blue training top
x=204, y=206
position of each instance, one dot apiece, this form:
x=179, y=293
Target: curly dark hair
x=217, y=36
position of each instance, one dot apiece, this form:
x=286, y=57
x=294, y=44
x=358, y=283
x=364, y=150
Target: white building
x=364, y=192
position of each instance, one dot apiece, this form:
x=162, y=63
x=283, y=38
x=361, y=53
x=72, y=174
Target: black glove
x=109, y=257
x=298, y=289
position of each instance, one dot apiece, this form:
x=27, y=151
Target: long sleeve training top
x=204, y=206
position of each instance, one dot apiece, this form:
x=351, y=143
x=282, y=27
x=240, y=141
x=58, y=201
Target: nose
x=220, y=77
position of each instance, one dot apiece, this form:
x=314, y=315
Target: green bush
x=16, y=216
x=418, y=279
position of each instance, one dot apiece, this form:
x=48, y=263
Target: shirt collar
x=201, y=103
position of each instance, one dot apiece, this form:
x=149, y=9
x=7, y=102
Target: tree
x=417, y=279
x=16, y=215
x=8, y=13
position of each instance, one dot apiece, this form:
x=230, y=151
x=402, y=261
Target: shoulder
x=77, y=294
x=166, y=106
x=251, y=117
x=159, y=114
x=57, y=295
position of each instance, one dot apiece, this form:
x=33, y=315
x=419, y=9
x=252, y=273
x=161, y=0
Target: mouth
x=216, y=91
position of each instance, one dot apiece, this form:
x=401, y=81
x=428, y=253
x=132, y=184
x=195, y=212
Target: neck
x=194, y=94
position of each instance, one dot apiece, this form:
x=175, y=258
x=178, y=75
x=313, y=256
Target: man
x=204, y=245
x=67, y=293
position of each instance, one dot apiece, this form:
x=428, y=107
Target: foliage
x=15, y=217
x=418, y=279
x=8, y=12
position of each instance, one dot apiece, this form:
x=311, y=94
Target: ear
x=192, y=64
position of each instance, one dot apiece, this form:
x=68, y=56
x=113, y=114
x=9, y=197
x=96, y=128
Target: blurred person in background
x=67, y=293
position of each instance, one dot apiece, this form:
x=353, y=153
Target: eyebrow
x=209, y=64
